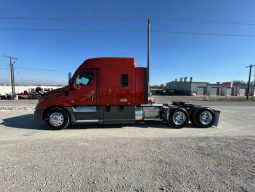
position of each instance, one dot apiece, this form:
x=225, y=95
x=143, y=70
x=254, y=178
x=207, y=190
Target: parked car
x=23, y=95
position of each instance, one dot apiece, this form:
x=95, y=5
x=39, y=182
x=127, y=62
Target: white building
x=6, y=89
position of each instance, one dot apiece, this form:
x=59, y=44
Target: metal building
x=184, y=87
x=193, y=88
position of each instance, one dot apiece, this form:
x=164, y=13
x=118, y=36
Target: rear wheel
x=178, y=118
x=57, y=118
x=192, y=117
x=203, y=117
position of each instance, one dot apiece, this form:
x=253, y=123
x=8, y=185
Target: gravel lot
x=142, y=157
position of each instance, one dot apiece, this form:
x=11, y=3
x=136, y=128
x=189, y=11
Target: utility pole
x=249, y=81
x=12, y=80
x=148, y=54
x=253, y=91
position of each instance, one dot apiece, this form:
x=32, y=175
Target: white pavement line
x=17, y=108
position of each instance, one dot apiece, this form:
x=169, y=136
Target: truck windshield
x=85, y=78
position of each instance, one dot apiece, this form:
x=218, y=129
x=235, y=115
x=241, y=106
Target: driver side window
x=85, y=78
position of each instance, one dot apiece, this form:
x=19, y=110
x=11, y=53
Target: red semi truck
x=113, y=91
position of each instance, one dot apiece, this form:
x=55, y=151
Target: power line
x=133, y=50
x=202, y=34
x=184, y=20
x=72, y=18
x=205, y=21
x=68, y=30
x=34, y=69
x=39, y=69
x=24, y=81
x=119, y=30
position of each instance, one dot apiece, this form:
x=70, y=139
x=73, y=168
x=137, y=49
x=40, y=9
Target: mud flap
x=217, y=118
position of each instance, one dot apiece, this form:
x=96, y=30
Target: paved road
x=143, y=157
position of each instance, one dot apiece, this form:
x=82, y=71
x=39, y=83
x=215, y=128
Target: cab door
x=83, y=98
x=84, y=93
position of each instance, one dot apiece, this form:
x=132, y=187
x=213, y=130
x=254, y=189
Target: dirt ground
x=146, y=156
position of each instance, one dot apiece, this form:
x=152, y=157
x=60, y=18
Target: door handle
x=92, y=98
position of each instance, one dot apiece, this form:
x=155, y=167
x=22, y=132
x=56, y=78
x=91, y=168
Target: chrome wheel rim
x=206, y=117
x=56, y=119
x=179, y=117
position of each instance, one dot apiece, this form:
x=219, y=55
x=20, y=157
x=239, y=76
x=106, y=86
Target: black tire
x=174, y=113
x=192, y=117
x=61, y=120
x=204, y=117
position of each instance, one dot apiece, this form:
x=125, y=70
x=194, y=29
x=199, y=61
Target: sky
x=211, y=41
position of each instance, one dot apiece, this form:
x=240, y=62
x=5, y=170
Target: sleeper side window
x=85, y=78
x=124, y=80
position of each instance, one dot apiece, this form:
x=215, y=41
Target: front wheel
x=57, y=118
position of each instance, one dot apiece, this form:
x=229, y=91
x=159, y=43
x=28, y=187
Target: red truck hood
x=59, y=90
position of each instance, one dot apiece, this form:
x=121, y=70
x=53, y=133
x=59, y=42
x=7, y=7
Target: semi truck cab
x=102, y=90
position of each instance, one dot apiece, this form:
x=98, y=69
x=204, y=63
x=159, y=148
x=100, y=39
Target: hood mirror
x=39, y=90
